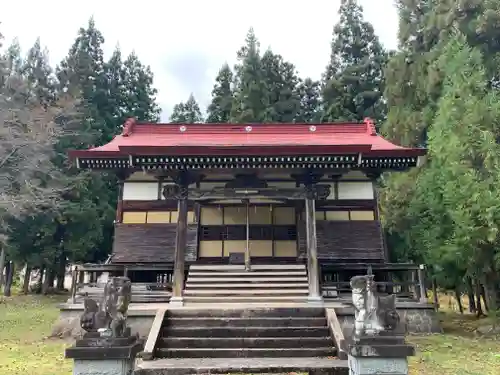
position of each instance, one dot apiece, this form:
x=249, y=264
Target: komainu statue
x=110, y=315
x=374, y=314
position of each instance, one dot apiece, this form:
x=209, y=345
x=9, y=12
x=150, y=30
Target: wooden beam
x=337, y=333
x=334, y=265
x=120, y=267
x=319, y=192
x=154, y=332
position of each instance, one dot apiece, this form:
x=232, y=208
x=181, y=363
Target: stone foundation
x=68, y=324
x=420, y=318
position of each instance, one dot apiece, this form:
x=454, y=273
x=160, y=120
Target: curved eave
x=399, y=152
x=73, y=154
x=246, y=150
x=151, y=157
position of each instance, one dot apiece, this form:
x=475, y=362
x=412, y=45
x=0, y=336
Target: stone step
x=243, y=292
x=244, y=352
x=192, y=279
x=246, y=285
x=245, y=342
x=257, y=267
x=248, y=274
x=179, y=366
x=223, y=332
x=240, y=299
x=245, y=322
x=275, y=312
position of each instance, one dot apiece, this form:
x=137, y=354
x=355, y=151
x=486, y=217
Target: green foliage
x=219, y=110
x=250, y=102
x=353, y=81
x=80, y=226
x=310, y=101
x=464, y=150
x=439, y=91
x=281, y=88
x=187, y=112
x=448, y=211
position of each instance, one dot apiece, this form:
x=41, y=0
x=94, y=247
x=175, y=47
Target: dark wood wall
x=337, y=240
x=345, y=241
x=151, y=243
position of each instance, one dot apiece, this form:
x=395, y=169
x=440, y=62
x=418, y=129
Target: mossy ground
x=25, y=349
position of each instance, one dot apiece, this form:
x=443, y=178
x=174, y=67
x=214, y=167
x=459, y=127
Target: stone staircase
x=233, y=284
x=245, y=333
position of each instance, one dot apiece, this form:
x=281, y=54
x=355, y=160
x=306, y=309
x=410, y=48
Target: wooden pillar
x=312, y=248
x=312, y=192
x=180, y=248
x=122, y=177
x=181, y=193
x=421, y=284
x=119, y=205
x=74, y=282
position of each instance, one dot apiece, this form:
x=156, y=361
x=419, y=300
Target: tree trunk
x=470, y=294
x=486, y=298
x=458, y=297
x=27, y=278
x=61, y=272
x=9, y=279
x=52, y=277
x=435, y=293
x=2, y=266
x=491, y=287
x=46, y=282
x=479, y=307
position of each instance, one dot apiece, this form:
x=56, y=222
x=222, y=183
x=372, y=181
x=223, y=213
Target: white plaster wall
x=354, y=175
x=140, y=191
x=356, y=190
x=141, y=176
x=211, y=185
x=283, y=184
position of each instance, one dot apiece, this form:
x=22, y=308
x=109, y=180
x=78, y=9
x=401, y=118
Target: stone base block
x=103, y=367
x=377, y=365
x=176, y=301
x=315, y=300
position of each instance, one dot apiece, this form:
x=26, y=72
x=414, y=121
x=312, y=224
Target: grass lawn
x=457, y=352
x=26, y=321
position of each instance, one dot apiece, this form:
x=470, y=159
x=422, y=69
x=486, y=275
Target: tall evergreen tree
x=140, y=94
x=82, y=72
x=219, y=110
x=310, y=101
x=13, y=57
x=250, y=99
x=459, y=181
x=187, y=112
x=414, y=89
x=281, y=88
x=353, y=81
x=413, y=85
x=39, y=74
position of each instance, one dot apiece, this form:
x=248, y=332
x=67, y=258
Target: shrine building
x=268, y=200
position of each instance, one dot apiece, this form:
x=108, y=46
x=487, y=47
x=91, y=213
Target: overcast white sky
x=186, y=42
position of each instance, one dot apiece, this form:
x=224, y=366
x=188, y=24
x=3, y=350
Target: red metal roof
x=207, y=139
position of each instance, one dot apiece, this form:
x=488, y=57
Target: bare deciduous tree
x=30, y=180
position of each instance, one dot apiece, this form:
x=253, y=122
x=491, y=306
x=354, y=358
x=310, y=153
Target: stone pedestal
x=379, y=355
x=96, y=355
